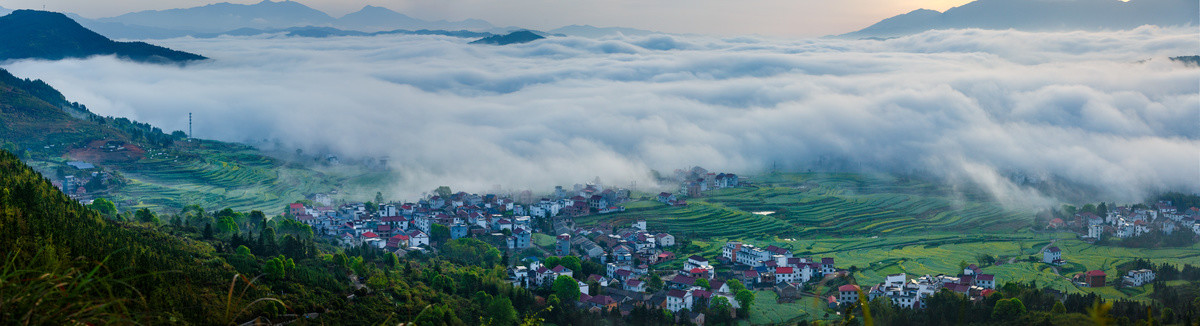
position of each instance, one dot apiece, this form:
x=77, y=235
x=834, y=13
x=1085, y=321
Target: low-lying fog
x=1104, y=110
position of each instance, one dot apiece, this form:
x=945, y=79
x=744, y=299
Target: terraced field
x=808, y=205
x=218, y=177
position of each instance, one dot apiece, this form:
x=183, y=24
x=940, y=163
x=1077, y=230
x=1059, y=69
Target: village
x=633, y=254
x=1131, y=221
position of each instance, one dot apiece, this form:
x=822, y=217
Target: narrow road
x=1048, y=245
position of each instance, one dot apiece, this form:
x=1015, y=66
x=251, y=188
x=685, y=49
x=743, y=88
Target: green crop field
x=766, y=310
x=218, y=175
x=818, y=205
x=883, y=225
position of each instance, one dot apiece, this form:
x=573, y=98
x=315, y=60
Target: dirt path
x=1047, y=245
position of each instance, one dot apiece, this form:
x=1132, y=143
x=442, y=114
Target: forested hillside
x=67, y=263
x=32, y=34
x=118, y=272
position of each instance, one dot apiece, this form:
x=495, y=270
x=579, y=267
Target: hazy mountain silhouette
x=596, y=32
x=1039, y=15
x=225, y=16
x=510, y=38
x=372, y=18
x=266, y=15
x=26, y=34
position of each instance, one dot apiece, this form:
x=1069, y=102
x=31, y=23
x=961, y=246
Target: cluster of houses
x=774, y=265
x=697, y=180
x=628, y=254
x=73, y=183
x=910, y=293
x=1096, y=278
x=1125, y=222
x=407, y=226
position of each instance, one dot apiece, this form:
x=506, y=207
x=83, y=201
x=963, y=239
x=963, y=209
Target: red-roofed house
x=848, y=294
x=785, y=275
x=296, y=209
x=1095, y=278
x=399, y=241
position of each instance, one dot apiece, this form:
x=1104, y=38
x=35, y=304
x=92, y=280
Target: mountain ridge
x=32, y=34
x=517, y=37
x=1038, y=15
x=265, y=15
x=597, y=32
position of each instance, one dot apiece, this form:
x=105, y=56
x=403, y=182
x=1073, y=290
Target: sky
x=714, y=17
x=1003, y=110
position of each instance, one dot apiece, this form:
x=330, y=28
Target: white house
x=635, y=286
x=416, y=238
x=1139, y=277
x=987, y=281
x=678, y=300
x=1052, y=255
x=1095, y=231
x=665, y=240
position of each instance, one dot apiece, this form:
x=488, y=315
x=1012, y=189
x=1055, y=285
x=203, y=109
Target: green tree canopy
x=443, y=191
x=104, y=206
x=146, y=216
x=735, y=286
x=439, y=233
x=745, y=299
x=655, y=283
x=501, y=312
x=573, y=263
x=566, y=288
x=720, y=310
x=1008, y=309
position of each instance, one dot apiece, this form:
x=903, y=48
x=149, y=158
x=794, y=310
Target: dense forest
x=69, y=263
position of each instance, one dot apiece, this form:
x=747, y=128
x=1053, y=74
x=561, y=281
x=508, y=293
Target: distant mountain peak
x=33, y=34
x=1039, y=15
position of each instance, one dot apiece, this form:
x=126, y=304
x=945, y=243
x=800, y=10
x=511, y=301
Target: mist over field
x=1104, y=110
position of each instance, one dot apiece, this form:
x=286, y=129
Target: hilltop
x=31, y=34
x=510, y=38
x=1039, y=15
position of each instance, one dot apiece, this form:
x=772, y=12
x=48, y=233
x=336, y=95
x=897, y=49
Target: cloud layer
x=1105, y=110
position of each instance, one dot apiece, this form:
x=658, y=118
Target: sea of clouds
x=1106, y=110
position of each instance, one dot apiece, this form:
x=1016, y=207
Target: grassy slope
x=212, y=174
x=218, y=175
